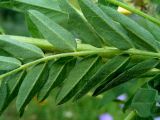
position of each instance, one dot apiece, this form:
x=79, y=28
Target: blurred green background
x=12, y=23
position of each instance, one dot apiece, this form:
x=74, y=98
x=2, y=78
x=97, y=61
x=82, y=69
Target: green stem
x=107, y=52
x=84, y=50
x=141, y=53
x=45, y=45
x=134, y=10
x=131, y=116
x=52, y=57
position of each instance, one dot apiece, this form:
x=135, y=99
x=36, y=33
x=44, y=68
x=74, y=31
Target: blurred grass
x=85, y=109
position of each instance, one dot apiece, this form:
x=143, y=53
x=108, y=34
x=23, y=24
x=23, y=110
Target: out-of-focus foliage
x=12, y=22
x=86, y=109
x=151, y=7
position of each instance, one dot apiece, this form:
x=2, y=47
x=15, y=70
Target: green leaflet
x=129, y=74
x=50, y=8
x=20, y=50
x=54, y=33
x=148, y=40
x=3, y=95
x=59, y=18
x=104, y=26
x=84, y=80
x=9, y=63
x=143, y=101
x=138, y=42
x=57, y=73
x=79, y=26
x=13, y=82
x=29, y=86
x=80, y=70
x=107, y=71
x=32, y=28
x=150, y=26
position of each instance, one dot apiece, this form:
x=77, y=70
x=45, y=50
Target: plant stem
x=141, y=53
x=52, y=57
x=45, y=45
x=107, y=52
x=83, y=50
x=134, y=10
x=131, y=116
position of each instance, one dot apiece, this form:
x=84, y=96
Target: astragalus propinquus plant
x=79, y=47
